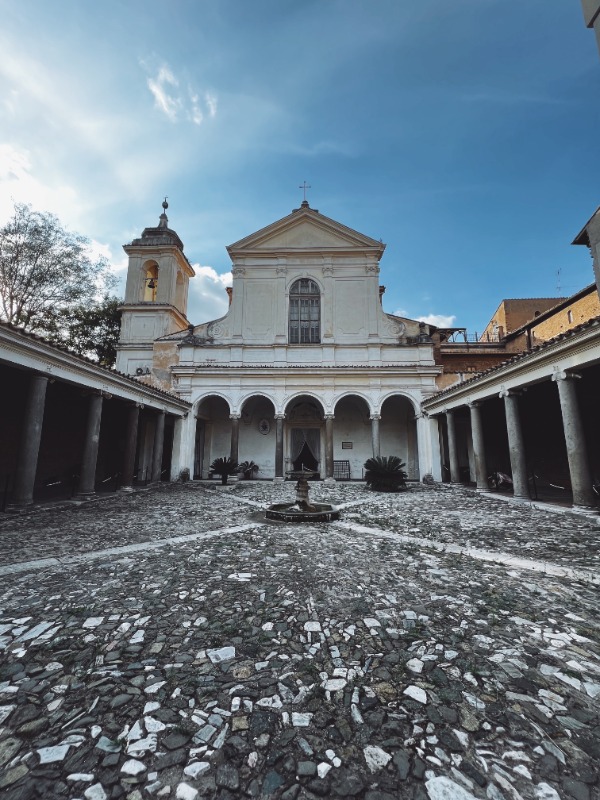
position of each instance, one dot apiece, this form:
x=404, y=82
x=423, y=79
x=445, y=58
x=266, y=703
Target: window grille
x=305, y=312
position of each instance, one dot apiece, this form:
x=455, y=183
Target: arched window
x=150, y=281
x=305, y=312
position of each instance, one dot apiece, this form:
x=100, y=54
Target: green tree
x=45, y=271
x=92, y=331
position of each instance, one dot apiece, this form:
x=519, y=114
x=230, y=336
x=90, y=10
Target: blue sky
x=463, y=134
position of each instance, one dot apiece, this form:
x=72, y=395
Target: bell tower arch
x=156, y=294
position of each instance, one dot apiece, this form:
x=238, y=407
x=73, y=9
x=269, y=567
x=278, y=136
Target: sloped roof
x=572, y=333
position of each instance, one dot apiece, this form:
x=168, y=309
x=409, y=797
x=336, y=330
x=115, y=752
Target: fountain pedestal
x=302, y=510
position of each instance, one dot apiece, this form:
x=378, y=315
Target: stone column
x=31, y=436
x=375, y=418
x=279, y=476
x=481, y=476
x=130, y=447
x=516, y=445
x=157, y=450
x=87, y=480
x=235, y=437
x=452, y=447
x=329, y=448
x=434, y=432
x=579, y=467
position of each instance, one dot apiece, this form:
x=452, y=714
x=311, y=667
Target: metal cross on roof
x=304, y=186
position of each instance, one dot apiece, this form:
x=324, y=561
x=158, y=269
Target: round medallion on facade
x=396, y=328
x=215, y=329
x=264, y=426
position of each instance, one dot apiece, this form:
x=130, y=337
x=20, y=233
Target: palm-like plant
x=248, y=469
x=224, y=467
x=385, y=474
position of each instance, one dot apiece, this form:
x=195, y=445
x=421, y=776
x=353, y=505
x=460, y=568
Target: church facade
x=304, y=370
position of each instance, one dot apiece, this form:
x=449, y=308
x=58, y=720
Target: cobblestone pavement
x=432, y=644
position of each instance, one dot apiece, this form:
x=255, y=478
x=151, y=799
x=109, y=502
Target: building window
x=305, y=312
x=570, y=315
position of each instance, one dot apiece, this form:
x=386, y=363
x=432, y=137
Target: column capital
x=511, y=393
x=235, y=416
x=279, y=416
x=328, y=416
x=475, y=404
x=375, y=416
x=562, y=375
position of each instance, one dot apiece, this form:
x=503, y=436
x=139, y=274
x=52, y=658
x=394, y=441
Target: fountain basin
x=289, y=512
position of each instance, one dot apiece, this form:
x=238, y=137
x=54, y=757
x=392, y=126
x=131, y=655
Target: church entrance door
x=306, y=460
x=306, y=446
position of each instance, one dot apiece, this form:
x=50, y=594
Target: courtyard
x=172, y=643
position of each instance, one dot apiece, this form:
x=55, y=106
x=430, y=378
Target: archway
x=398, y=433
x=257, y=434
x=352, y=437
x=305, y=438
x=213, y=434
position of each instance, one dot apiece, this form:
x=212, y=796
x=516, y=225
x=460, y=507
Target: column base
x=330, y=481
x=84, y=496
x=278, y=480
x=483, y=489
x=126, y=488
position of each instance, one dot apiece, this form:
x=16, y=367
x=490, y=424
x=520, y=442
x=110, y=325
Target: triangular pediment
x=305, y=230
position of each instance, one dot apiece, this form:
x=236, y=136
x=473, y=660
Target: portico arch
x=304, y=434
x=257, y=433
x=398, y=431
x=352, y=434
x=213, y=432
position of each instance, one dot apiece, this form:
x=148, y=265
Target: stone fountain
x=302, y=510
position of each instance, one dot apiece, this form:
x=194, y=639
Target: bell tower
x=156, y=294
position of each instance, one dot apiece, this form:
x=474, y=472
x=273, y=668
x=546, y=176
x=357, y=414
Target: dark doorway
x=306, y=460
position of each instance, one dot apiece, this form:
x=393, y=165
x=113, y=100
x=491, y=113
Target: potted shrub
x=224, y=467
x=385, y=474
x=248, y=469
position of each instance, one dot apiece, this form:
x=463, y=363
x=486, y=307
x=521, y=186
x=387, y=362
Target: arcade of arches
x=304, y=435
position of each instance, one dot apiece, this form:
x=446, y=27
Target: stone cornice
x=146, y=249
x=373, y=370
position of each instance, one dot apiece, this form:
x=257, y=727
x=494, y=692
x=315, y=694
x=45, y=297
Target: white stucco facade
x=305, y=353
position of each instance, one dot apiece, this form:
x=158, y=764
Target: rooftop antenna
x=558, y=285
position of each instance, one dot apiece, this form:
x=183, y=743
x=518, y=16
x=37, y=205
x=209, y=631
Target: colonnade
x=31, y=437
x=575, y=441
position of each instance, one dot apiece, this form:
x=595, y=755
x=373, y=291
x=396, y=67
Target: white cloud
x=211, y=104
x=175, y=103
x=208, y=298
x=439, y=320
x=165, y=99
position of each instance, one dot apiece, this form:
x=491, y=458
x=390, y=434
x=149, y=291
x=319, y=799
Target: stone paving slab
x=300, y=661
